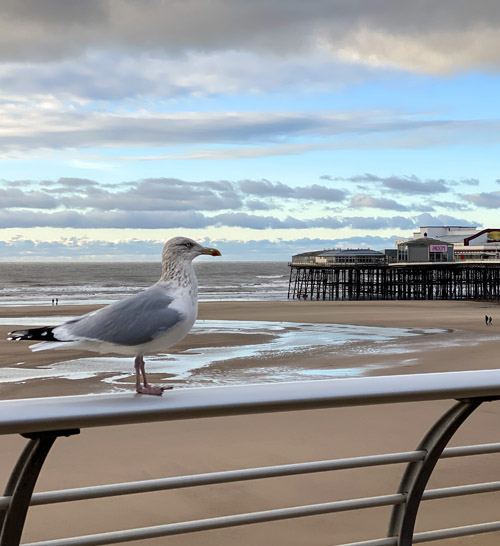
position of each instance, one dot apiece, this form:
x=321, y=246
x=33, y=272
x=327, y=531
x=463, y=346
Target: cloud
x=443, y=220
x=469, y=181
x=71, y=183
x=79, y=249
x=319, y=193
x=436, y=51
x=411, y=185
x=103, y=220
x=13, y=198
x=489, y=200
x=257, y=204
x=38, y=125
x=364, y=200
x=59, y=126
x=169, y=203
x=244, y=220
x=328, y=222
x=161, y=194
x=105, y=75
x=265, y=188
x=422, y=36
x=364, y=223
x=155, y=194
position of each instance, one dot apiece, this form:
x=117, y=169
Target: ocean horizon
x=78, y=283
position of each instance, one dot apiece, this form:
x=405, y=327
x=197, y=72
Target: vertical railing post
x=22, y=483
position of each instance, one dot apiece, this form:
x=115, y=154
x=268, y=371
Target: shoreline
x=155, y=450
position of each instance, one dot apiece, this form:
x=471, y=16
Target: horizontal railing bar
x=146, y=486
x=461, y=490
x=101, y=491
x=455, y=532
x=223, y=522
x=388, y=541
x=162, y=484
x=283, y=513
x=463, y=451
x=57, y=413
x=439, y=534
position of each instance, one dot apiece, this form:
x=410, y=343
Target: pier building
x=443, y=262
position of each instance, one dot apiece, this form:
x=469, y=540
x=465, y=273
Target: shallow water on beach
x=280, y=342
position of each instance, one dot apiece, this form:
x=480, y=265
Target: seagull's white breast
x=186, y=304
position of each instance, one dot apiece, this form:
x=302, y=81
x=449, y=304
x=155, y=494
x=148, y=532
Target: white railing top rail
x=70, y=412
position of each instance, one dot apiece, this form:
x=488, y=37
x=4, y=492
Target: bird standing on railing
x=148, y=322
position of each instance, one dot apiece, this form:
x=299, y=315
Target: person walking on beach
x=486, y=319
x=490, y=320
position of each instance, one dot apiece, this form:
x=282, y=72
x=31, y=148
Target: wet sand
x=168, y=449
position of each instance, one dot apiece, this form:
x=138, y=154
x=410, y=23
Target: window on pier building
x=438, y=256
x=403, y=253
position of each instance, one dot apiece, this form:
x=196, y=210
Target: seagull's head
x=182, y=248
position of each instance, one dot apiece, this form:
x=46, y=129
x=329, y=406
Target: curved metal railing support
x=22, y=483
x=417, y=473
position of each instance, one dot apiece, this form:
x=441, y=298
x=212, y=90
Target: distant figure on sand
x=490, y=320
x=486, y=319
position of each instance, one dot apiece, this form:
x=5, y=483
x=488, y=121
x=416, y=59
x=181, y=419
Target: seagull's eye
x=188, y=244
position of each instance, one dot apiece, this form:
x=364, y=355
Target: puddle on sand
x=206, y=365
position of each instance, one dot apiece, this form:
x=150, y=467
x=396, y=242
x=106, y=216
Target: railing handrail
x=71, y=412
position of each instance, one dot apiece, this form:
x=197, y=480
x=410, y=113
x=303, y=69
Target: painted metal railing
x=43, y=420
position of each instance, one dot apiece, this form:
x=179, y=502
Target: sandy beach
x=459, y=340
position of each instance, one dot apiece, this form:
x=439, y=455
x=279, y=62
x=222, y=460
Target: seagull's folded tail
x=48, y=345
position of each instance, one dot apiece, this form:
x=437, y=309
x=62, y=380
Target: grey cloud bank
x=170, y=203
x=368, y=31
x=489, y=200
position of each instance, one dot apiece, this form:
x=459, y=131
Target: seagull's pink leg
x=137, y=366
x=147, y=388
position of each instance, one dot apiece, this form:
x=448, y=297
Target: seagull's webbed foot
x=146, y=388
x=158, y=391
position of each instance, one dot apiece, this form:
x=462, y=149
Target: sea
x=101, y=283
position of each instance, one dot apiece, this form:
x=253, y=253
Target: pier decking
x=469, y=280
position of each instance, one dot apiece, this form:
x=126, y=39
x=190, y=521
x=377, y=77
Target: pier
x=468, y=280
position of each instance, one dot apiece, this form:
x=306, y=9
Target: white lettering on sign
x=438, y=248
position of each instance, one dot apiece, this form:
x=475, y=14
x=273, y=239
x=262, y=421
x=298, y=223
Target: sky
x=265, y=128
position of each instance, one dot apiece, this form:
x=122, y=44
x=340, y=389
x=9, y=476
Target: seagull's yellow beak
x=211, y=251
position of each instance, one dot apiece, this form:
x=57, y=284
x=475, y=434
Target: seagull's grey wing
x=132, y=321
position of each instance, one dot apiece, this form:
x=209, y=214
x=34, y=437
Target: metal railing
x=43, y=420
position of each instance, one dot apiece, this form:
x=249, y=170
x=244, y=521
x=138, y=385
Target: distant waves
x=89, y=283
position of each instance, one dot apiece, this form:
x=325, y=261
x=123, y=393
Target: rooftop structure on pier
x=340, y=256
x=425, y=249
x=469, y=243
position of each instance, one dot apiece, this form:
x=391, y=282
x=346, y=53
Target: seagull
x=148, y=322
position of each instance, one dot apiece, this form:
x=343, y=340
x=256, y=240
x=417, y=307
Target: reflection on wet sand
x=282, y=348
